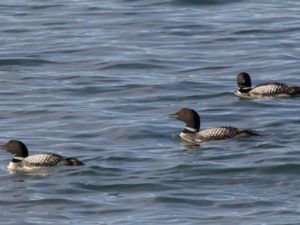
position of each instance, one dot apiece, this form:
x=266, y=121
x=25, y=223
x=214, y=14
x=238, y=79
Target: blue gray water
x=97, y=79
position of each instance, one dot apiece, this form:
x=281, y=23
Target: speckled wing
x=211, y=134
x=218, y=133
x=43, y=160
x=275, y=89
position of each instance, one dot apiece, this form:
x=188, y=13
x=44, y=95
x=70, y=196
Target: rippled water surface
x=97, y=79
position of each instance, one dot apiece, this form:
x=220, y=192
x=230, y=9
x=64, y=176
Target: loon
x=192, y=134
x=21, y=160
x=266, y=90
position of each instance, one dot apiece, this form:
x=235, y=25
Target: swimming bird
x=192, y=134
x=266, y=90
x=21, y=160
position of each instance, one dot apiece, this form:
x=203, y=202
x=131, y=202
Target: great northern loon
x=192, y=134
x=266, y=90
x=21, y=160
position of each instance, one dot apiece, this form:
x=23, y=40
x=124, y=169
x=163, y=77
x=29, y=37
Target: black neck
x=193, y=123
x=16, y=160
x=189, y=130
x=245, y=90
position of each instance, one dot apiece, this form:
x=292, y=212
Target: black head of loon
x=190, y=117
x=17, y=148
x=244, y=82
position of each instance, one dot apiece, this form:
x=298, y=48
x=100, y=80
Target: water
x=96, y=81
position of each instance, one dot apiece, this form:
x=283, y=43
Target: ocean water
x=96, y=80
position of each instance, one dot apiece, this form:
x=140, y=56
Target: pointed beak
x=173, y=115
x=4, y=146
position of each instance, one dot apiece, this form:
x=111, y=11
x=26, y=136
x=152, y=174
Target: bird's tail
x=248, y=133
x=74, y=162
